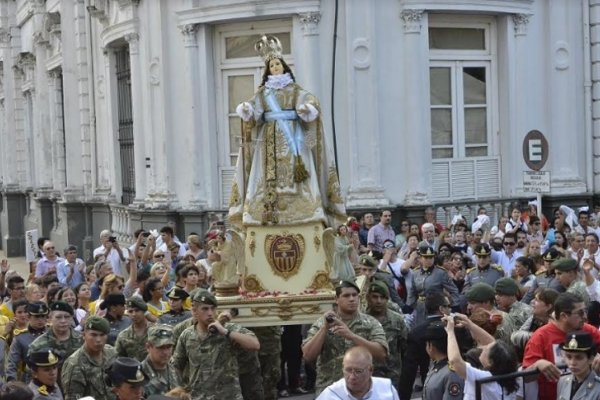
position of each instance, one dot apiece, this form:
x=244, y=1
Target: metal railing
x=519, y=374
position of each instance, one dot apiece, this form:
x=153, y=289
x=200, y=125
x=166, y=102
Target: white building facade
x=120, y=114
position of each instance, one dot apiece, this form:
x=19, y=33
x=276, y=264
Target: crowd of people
x=452, y=305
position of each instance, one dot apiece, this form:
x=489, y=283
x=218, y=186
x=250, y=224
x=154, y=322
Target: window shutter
x=465, y=179
x=227, y=174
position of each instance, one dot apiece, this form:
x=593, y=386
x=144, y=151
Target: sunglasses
x=509, y=243
x=159, y=256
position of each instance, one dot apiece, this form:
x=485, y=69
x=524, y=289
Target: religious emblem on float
x=285, y=253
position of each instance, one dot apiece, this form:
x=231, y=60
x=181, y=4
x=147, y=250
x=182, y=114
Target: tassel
x=300, y=172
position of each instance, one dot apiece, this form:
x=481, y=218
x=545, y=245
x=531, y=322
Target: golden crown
x=269, y=47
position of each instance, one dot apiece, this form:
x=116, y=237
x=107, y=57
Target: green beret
x=96, y=323
x=345, y=284
x=565, y=264
x=204, y=296
x=161, y=335
x=61, y=306
x=507, y=286
x=376, y=286
x=480, y=293
x=136, y=302
x=367, y=261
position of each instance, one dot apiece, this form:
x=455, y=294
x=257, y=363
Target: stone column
x=365, y=189
x=200, y=192
x=7, y=150
x=416, y=123
x=307, y=54
x=56, y=128
x=138, y=122
x=41, y=121
x=595, y=60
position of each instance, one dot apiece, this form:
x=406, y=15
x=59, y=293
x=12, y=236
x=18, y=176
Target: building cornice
x=487, y=6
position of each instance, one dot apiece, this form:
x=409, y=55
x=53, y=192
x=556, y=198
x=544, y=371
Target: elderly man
x=112, y=252
x=49, y=262
x=336, y=331
x=358, y=382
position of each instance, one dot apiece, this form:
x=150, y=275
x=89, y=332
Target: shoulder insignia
x=497, y=268
x=540, y=272
x=43, y=390
x=454, y=389
x=17, y=332
x=470, y=269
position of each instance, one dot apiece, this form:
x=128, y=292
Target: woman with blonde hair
x=111, y=284
x=33, y=292
x=194, y=245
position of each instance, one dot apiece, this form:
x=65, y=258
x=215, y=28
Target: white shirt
x=119, y=267
x=381, y=389
x=489, y=391
x=505, y=261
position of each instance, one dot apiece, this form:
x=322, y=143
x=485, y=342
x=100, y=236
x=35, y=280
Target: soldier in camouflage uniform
x=209, y=349
x=506, y=300
x=270, y=358
x=61, y=337
x=327, y=342
x=83, y=372
x=161, y=375
x=482, y=295
x=250, y=375
x=395, y=329
x=176, y=313
x=44, y=367
x=485, y=271
x=114, y=304
x=131, y=342
x=566, y=270
x=22, y=339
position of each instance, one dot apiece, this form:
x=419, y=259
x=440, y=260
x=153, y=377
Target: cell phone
x=146, y=234
x=112, y=239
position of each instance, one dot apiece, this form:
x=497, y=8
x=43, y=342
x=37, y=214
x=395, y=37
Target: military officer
x=208, y=348
x=482, y=295
x=506, y=300
x=114, y=304
x=44, y=369
x=161, y=375
x=566, y=272
x=578, y=352
x=427, y=278
x=485, y=271
x=368, y=267
x=336, y=331
x=127, y=378
x=22, y=339
x=60, y=337
x=441, y=383
x=83, y=372
x=544, y=276
x=131, y=342
x=395, y=330
x=176, y=313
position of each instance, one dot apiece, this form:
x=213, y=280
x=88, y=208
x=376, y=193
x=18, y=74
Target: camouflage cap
x=37, y=308
x=204, y=296
x=377, y=286
x=161, y=335
x=97, y=323
x=61, y=306
x=368, y=261
x=136, y=302
x=177, y=293
x=45, y=358
x=507, y=286
x=565, y=264
x=480, y=293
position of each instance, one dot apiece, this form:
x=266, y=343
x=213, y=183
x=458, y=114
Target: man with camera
x=337, y=331
x=113, y=253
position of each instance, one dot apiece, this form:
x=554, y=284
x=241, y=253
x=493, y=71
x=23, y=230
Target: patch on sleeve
x=454, y=389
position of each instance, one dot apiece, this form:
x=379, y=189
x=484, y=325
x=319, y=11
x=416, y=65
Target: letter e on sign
x=535, y=150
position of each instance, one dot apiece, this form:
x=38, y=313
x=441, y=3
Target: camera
x=329, y=319
x=212, y=330
x=112, y=239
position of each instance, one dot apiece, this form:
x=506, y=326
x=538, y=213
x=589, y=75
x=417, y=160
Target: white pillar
x=416, y=124
x=306, y=51
x=57, y=139
x=8, y=138
x=363, y=125
x=41, y=133
x=138, y=123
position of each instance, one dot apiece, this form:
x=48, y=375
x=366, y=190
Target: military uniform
x=180, y=327
x=62, y=349
x=519, y=312
x=329, y=362
x=442, y=383
x=128, y=344
x=48, y=389
x=396, y=334
x=578, y=287
x=82, y=375
x=212, y=363
x=173, y=318
x=42, y=392
x=424, y=281
x=250, y=375
x=270, y=358
x=489, y=274
x=159, y=382
x=116, y=326
x=22, y=339
x=589, y=389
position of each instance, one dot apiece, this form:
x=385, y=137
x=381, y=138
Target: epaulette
x=17, y=332
x=597, y=378
x=442, y=268
x=497, y=268
x=470, y=269
x=540, y=272
x=43, y=390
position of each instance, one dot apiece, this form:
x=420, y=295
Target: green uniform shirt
x=130, y=345
x=83, y=376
